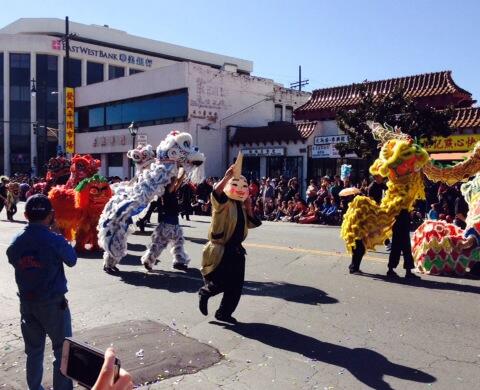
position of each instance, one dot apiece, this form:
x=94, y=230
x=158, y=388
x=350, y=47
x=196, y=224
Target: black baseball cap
x=37, y=207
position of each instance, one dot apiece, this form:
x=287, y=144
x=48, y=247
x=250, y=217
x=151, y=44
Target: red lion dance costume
x=79, y=203
x=58, y=172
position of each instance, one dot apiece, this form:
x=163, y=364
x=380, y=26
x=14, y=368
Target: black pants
x=151, y=209
x=228, y=278
x=357, y=255
x=401, y=242
x=11, y=212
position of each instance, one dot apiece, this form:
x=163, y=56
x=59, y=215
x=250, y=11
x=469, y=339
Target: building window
x=46, y=100
x=94, y=72
x=114, y=72
x=115, y=164
x=145, y=111
x=289, y=114
x=96, y=117
x=278, y=113
x=134, y=71
x=74, y=72
x=20, y=126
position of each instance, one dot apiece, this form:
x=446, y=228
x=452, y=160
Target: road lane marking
x=310, y=251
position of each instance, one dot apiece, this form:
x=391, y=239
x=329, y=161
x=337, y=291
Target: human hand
x=105, y=380
x=465, y=244
x=229, y=172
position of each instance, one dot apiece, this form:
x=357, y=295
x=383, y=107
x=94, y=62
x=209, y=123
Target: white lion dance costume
x=175, y=151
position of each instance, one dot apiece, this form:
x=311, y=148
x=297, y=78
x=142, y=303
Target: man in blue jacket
x=38, y=254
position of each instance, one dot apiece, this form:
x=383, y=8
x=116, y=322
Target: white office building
x=205, y=101
x=32, y=56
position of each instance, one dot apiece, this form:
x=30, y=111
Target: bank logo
x=57, y=44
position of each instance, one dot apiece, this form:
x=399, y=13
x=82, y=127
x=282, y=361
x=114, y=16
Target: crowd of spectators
x=281, y=199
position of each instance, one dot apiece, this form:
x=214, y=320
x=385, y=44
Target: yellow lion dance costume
x=401, y=161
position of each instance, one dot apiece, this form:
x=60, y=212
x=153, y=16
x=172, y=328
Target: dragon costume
x=400, y=160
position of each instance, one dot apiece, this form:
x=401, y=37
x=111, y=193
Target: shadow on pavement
x=368, y=366
x=426, y=283
x=90, y=255
x=191, y=281
x=196, y=240
x=131, y=260
x=136, y=247
x=15, y=221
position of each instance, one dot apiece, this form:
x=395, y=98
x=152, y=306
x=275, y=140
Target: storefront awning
x=457, y=156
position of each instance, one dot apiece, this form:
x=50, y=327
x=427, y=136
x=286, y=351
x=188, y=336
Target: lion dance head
x=82, y=166
x=93, y=193
x=58, y=170
x=178, y=148
x=399, y=155
x=142, y=156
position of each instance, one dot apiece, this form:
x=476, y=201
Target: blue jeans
x=39, y=319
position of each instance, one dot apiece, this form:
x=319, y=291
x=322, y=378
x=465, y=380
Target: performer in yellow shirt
x=223, y=263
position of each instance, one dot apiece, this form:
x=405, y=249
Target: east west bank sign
x=125, y=58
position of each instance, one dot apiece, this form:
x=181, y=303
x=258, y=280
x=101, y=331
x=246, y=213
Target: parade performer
x=58, y=171
x=441, y=248
x=367, y=224
x=13, y=195
x=168, y=230
x=175, y=151
x=223, y=264
x=85, y=204
x=63, y=196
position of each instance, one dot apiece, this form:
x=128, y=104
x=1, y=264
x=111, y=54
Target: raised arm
x=218, y=189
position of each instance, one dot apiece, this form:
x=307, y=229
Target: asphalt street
x=305, y=322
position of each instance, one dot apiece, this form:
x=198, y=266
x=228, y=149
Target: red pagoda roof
x=466, y=118
x=435, y=89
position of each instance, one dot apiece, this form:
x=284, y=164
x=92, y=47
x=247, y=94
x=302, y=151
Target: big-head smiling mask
x=237, y=187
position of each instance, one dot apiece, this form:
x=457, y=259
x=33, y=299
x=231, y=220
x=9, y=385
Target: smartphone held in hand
x=83, y=363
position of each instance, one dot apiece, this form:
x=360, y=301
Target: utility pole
x=66, y=71
x=300, y=83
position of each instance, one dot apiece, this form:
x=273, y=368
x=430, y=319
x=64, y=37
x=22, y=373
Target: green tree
x=394, y=109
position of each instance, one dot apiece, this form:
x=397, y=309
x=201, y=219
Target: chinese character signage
x=264, y=152
x=330, y=139
x=454, y=143
x=112, y=140
x=328, y=151
x=321, y=151
x=70, y=120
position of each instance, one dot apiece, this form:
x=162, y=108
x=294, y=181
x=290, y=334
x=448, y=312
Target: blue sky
x=336, y=42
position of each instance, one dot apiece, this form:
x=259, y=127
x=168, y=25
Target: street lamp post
x=133, y=129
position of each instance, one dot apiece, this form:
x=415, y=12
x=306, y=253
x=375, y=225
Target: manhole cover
x=166, y=353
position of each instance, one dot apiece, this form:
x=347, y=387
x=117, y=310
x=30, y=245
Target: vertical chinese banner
x=70, y=120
